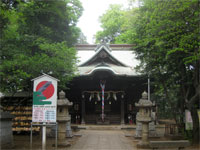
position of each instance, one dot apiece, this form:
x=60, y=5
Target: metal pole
x=44, y=136
x=31, y=137
x=149, y=87
x=56, y=142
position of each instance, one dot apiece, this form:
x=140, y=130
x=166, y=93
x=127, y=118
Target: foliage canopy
x=38, y=36
x=166, y=39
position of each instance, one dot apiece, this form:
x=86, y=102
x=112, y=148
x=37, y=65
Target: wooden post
x=83, y=111
x=122, y=111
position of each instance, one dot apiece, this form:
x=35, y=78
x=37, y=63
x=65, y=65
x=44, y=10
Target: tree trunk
x=193, y=104
x=195, y=120
x=173, y=110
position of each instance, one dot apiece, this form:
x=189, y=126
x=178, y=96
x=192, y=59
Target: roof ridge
x=98, y=50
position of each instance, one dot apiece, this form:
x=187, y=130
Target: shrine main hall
x=106, y=79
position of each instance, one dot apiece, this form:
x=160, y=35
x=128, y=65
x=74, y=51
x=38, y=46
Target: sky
x=93, y=9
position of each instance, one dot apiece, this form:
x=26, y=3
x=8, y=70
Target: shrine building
x=106, y=79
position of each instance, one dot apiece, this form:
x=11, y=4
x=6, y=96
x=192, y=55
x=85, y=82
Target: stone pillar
x=145, y=134
x=122, y=111
x=83, y=111
x=61, y=132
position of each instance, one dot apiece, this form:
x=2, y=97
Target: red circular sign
x=47, y=88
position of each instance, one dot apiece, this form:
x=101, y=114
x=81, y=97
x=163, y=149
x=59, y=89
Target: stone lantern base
x=144, y=117
x=63, y=143
x=152, y=130
x=63, y=119
x=62, y=140
x=143, y=145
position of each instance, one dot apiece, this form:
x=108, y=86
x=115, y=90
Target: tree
x=167, y=43
x=38, y=36
x=128, y=26
x=117, y=24
x=111, y=23
x=166, y=39
x=82, y=39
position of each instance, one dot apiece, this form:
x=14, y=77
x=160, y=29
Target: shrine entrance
x=94, y=111
x=106, y=90
x=112, y=98
x=120, y=95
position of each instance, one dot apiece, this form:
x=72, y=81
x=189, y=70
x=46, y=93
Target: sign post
x=44, y=102
x=44, y=136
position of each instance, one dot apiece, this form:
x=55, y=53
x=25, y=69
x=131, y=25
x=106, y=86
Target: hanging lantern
x=83, y=96
x=98, y=97
x=108, y=96
x=91, y=96
x=114, y=96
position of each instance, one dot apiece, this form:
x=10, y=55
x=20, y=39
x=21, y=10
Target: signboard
x=188, y=120
x=44, y=99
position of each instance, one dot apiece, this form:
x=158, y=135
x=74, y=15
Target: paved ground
x=103, y=140
x=91, y=139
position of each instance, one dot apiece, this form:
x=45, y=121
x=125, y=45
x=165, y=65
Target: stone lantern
x=144, y=116
x=63, y=118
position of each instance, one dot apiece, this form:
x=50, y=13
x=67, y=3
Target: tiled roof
x=120, y=53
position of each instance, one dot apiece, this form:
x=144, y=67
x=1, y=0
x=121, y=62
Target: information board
x=44, y=99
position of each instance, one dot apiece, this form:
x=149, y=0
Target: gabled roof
x=119, y=71
x=102, y=53
x=104, y=58
x=44, y=76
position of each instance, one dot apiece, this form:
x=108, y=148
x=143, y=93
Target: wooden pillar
x=83, y=111
x=122, y=111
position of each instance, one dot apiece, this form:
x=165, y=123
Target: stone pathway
x=103, y=140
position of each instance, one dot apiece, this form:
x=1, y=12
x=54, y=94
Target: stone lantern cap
x=144, y=102
x=62, y=101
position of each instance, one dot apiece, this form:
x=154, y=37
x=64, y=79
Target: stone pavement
x=91, y=139
x=103, y=140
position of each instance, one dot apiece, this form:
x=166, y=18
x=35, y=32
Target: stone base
x=69, y=136
x=68, y=130
x=107, y=122
x=63, y=144
x=152, y=130
x=143, y=145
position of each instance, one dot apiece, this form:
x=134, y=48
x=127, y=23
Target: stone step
x=104, y=127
